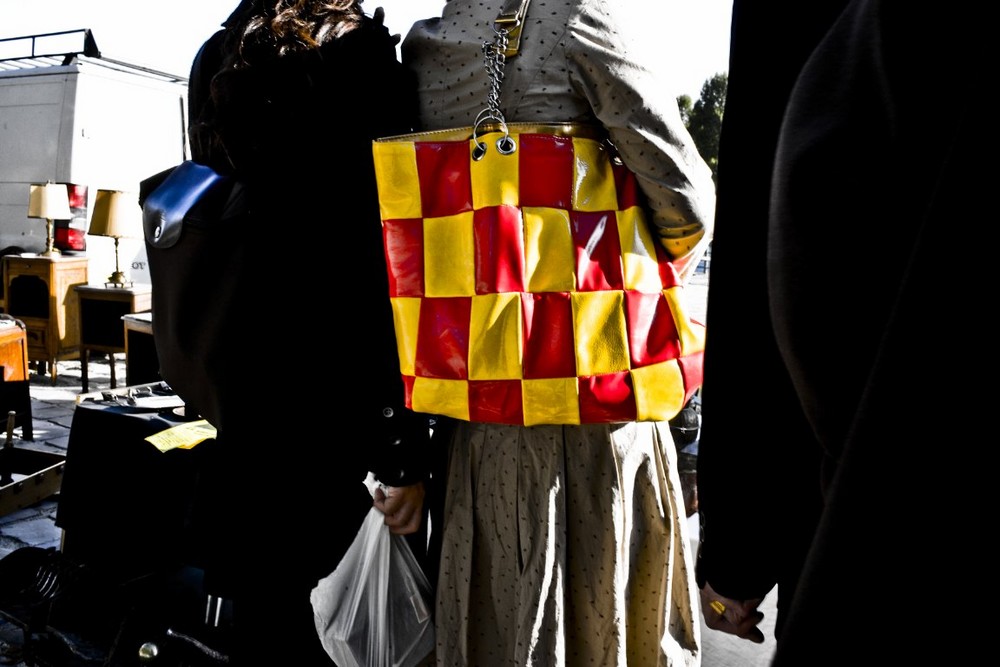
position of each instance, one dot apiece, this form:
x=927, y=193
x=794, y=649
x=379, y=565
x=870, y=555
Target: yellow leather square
x=549, y=257
x=551, y=401
x=599, y=328
x=406, y=319
x=449, y=256
x=399, y=186
x=495, y=177
x=495, y=339
x=441, y=397
x=594, y=182
x=659, y=391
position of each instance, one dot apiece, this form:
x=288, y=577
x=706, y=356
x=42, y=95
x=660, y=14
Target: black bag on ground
x=194, y=223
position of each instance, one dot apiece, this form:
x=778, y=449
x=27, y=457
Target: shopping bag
x=374, y=609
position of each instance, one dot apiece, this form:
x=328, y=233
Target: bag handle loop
x=506, y=43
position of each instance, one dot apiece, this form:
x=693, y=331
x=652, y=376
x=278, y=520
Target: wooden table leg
x=84, y=376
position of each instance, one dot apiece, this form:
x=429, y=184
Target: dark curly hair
x=280, y=27
x=259, y=35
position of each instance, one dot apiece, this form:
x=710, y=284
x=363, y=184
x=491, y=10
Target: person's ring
x=717, y=607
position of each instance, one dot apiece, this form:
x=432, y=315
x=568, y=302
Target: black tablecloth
x=124, y=506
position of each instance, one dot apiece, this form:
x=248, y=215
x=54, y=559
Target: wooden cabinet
x=13, y=350
x=15, y=394
x=39, y=292
x=101, y=330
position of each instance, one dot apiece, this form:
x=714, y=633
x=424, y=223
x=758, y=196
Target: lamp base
x=50, y=250
x=119, y=280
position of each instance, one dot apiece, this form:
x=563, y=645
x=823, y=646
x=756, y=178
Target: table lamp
x=116, y=215
x=49, y=201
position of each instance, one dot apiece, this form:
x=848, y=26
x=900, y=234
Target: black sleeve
x=404, y=453
x=207, y=62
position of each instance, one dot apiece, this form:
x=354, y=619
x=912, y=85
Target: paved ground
x=52, y=413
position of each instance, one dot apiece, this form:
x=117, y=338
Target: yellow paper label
x=184, y=436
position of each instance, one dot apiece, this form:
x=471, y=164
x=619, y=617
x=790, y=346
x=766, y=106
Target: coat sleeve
x=401, y=453
x=618, y=66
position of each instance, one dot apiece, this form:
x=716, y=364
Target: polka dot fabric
x=566, y=546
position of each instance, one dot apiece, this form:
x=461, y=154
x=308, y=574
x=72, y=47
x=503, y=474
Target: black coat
x=838, y=483
x=309, y=391
x=755, y=444
x=298, y=131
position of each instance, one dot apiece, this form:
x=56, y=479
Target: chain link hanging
x=494, y=60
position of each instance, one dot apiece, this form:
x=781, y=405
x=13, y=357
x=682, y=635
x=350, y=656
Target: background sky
x=165, y=34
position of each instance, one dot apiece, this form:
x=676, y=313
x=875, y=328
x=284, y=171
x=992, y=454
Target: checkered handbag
x=525, y=283
x=527, y=287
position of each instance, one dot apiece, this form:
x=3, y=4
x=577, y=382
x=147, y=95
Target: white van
x=69, y=116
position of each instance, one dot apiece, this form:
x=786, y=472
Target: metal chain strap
x=494, y=60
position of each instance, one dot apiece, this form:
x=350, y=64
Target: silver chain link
x=494, y=61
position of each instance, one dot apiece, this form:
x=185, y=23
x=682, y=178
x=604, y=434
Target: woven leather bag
x=526, y=285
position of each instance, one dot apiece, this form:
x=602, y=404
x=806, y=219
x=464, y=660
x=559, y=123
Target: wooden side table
x=101, y=312
x=39, y=292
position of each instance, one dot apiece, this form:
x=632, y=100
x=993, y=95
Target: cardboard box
x=34, y=476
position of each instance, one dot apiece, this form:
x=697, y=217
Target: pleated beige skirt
x=566, y=546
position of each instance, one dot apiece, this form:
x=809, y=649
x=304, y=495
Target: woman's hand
x=736, y=617
x=402, y=507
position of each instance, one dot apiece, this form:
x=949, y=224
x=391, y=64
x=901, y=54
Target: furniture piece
x=13, y=349
x=141, y=363
x=15, y=394
x=39, y=292
x=100, y=313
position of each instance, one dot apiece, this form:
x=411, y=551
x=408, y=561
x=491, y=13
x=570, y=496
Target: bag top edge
x=576, y=130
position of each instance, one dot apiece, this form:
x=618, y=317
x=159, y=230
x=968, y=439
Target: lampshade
x=116, y=214
x=49, y=201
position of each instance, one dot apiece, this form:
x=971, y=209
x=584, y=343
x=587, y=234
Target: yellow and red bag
x=526, y=285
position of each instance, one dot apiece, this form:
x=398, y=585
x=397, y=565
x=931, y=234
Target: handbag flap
x=164, y=208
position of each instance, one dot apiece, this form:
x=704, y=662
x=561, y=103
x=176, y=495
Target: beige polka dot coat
x=568, y=545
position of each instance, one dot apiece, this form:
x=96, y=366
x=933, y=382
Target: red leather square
x=445, y=184
x=499, y=248
x=546, y=170
x=443, y=338
x=496, y=401
x=598, y=251
x=607, y=398
x=652, y=334
x=404, y=256
x=549, y=351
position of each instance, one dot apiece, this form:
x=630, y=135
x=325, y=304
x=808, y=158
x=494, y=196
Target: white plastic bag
x=374, y=609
